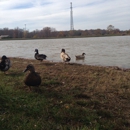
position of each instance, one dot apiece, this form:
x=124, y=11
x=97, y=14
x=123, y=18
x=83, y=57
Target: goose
x=33, y=78
x=64, y=56
x=80, y=56
x=5, y=64
x=38, y=56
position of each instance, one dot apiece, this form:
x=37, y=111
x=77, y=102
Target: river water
x=103, y=51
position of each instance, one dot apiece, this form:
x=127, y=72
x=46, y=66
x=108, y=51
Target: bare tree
x=110, y=28
x=46, y=32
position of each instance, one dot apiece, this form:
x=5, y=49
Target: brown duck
x=80, y=56
x=33, y=78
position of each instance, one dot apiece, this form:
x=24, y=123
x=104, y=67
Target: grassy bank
x=72, y=97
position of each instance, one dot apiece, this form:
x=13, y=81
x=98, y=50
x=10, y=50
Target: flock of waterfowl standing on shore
x=33, y=78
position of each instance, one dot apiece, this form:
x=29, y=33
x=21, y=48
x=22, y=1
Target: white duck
x=64, y=56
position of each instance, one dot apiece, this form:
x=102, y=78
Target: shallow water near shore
x=103, y=51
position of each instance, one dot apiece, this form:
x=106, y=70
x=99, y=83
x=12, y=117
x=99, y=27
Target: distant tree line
x=49, y=32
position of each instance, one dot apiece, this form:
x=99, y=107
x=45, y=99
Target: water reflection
x=80, y=60
x=104, y=51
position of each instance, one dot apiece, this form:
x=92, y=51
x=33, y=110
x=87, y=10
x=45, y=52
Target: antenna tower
x=71, y=17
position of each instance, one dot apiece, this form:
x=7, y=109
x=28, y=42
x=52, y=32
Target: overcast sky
x=87, y=14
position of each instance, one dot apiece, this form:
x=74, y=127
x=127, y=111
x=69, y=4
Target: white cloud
x=87, y=14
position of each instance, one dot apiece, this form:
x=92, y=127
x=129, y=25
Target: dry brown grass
x=106, y=89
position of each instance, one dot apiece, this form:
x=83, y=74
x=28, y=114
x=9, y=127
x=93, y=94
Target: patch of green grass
x=51, y=82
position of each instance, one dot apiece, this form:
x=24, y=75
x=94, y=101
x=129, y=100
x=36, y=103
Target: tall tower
x=71, y=17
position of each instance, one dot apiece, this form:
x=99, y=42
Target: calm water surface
x=104, y=51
